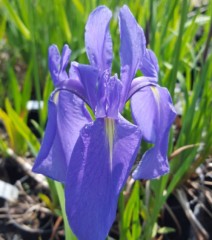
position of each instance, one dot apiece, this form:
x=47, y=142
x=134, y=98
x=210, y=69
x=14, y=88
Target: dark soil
x=27, y=217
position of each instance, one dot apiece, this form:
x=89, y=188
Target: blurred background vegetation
x=179, y=32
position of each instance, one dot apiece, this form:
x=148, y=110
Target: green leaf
x=79, y=6
x=165, y=230
x=46, y=200
x=60, y=192
x=23, y=129
x=15, y=90
x=27, y=87
x=131, y=214
x=9, y=127
x=16, y=19
x=2, y=26
x=16, y=141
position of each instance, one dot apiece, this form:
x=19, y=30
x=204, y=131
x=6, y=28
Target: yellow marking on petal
x=110, y=130
x=156, y=94
x=157, y=98
x=56, y=97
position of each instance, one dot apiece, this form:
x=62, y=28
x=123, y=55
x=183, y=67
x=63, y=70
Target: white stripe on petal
x=110, y=130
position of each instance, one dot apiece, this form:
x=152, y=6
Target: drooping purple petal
x=133, y=46
x=144, y=112
x=155, y=119
x=149, y=65
x=67, y=115
x=139, y=83
x=154, y=162
x=95, y=176
x=58, y=64
x=98, y=40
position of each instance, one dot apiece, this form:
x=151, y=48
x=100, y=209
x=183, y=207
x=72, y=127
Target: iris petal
x=133, y=45
x=114, y=89
x=69, y=79
x=88, y=76
x=65, y=58
x=149, y=64
x=58, y=64
x=144, y=112
x=155, y=119
x=139, y=83
x=108, y=96
x=94, y=181
x=98, y=40
x=67, y=115
x=54, y=62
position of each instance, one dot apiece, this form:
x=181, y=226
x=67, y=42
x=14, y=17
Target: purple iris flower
x=93, y=158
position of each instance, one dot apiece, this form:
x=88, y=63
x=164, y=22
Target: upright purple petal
x=54, y=62
x=113, y=100
x=88, y=76
x=102, y=94
x=58, y=64
x=98, y=40
x=154, y=117
x=65, y=58
x=64, y=78
x=133, y=46
x=95, y=176
x=149, y=65
x=67, y=115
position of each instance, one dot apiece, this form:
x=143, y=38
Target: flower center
x=108, y=96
